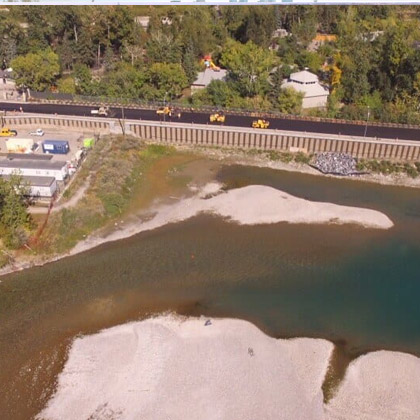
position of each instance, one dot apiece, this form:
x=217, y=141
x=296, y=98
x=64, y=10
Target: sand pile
x=166, y=368
x=251, y=205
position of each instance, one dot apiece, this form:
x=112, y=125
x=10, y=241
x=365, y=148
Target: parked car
x=39, y=132
x=35, y=147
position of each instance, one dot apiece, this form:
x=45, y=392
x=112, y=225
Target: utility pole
x=367, y=120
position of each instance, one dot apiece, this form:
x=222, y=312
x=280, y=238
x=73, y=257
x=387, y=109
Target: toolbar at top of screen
x=207, y=2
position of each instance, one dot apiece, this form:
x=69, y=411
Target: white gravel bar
x=171, y=368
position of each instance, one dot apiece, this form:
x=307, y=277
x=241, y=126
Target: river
x=357, y=287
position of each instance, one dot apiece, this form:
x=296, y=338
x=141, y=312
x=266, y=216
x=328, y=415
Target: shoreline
x=241, y=157
x=242, y=206
x=170, y=351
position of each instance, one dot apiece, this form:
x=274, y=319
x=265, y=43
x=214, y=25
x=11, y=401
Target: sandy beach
x=193, y=368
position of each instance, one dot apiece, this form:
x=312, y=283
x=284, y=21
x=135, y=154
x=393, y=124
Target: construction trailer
x=60, y=147
x=39, y=186
x=39, y=168
x=16, y=145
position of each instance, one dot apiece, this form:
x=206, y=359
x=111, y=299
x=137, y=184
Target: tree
x=163, y=48
x=67, y=85
x=189, y=63
x=258, y=26
x=124, y=81
x=14, y=218
x=167, y=78
x=290, y=101
x=249, y=66
x=83, y=79
x=37, y=71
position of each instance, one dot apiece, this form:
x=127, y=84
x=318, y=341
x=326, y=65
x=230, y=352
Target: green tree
x=163, y=48
x=15, y=221
x=249, y=66
x=37, y=71
x=290, y=101
x=189, y=63
x=124, y=81
x=167, y=78
x=66, y=85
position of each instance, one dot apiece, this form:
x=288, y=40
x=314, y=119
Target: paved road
x=231, y=120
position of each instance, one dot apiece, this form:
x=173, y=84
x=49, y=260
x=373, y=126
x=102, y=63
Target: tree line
x=372, y=66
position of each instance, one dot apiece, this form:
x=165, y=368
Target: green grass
x=387, y=167
x=117, y=165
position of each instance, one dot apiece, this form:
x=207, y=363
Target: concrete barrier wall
x=231, y=137
x=94, y=125
x=367, y=148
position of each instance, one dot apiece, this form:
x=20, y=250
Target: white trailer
x=16, y=145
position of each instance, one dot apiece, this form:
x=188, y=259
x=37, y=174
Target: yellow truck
x=217, y=117
x=169, y=111
x=7, y=132
x=260, y=124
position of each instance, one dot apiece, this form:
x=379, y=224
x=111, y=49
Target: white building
x=35, y=168
x=40, y=186
x=205, y=77
x=316, y=95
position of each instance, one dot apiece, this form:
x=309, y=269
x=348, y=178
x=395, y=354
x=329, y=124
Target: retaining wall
x=359, y=147
x=231, y=137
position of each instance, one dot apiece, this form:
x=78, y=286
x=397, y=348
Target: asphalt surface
x=231, y=120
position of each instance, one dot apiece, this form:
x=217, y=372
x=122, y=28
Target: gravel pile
x=335, y=163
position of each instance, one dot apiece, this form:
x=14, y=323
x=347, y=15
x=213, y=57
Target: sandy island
x=251, y=205
x=187, y=369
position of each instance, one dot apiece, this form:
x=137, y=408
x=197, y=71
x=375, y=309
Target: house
x=206, y=77
x=36, y=168
x=40, y=186
x=316, y=95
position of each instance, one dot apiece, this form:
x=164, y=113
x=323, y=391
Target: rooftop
x=31, y=164
x=35, y=181
x=304, y=77
x=205, y=77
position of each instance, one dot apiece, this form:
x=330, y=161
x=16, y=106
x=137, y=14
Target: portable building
x=14, y=145
x=40, y=186
x=56, y=146
x=57, y=170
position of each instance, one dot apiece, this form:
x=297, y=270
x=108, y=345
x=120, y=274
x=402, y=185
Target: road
x=231, y=120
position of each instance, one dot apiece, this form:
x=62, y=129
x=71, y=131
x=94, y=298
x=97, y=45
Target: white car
x=39, y=132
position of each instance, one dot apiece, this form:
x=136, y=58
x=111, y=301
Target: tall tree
x=249, y=66
x=37, y=71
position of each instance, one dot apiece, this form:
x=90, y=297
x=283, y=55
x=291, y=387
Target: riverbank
x=294, y=163
x=251, y=205
x=224, y=368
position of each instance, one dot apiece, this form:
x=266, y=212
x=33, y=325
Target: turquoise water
x=358, y=287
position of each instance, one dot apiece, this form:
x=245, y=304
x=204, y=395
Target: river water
x=358, y=287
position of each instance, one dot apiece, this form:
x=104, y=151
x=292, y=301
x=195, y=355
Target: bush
x=301, y=157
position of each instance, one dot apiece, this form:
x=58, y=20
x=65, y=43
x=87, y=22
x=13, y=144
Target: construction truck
x=260, y=124
x=102, y=111
x=217, y=117
x=169, y=111
x=7, y=132
x=164, y=110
